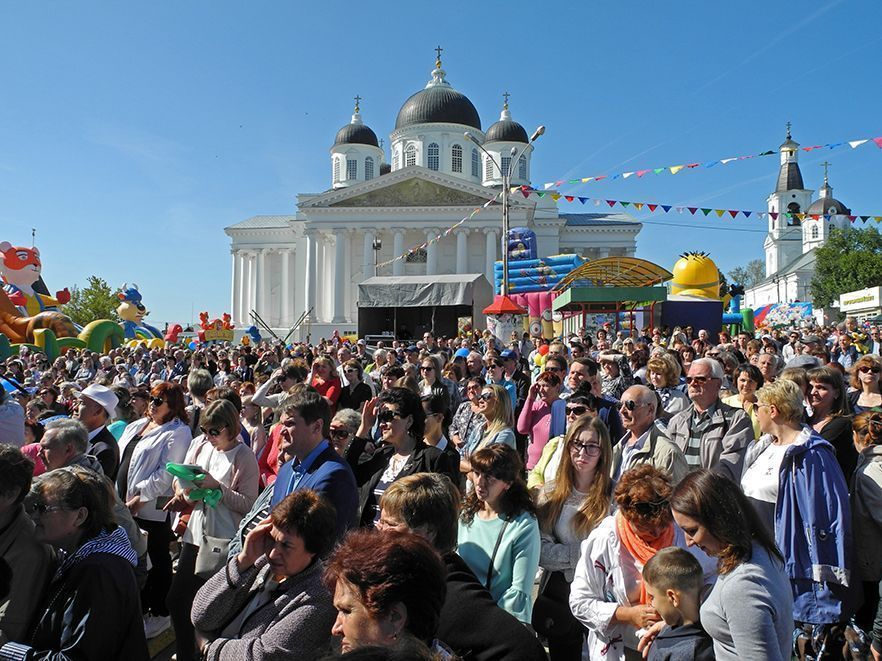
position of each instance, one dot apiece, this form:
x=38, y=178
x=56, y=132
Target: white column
x=241, y=313
x=602, y=252
x=462, y=251
x=490, y=249
x=397, y=249
x=368, y=255
x=340, y=239
x=311, y=274
x=431, y=252
x=287, y=297
x=260, y=285
x=234, y=287
x=252, y=287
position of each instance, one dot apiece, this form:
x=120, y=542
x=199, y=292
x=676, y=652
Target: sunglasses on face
x=591, y=449
x=649, y=508
x=549, y=368
x=577, y=410
x=864, y=369
x=214, y=433
x=351, y=370
x=157, y=401
x=700, y=380
x=39, y=509
x=339, y=433
x=495, y=365
x=387, y=415
x=427, y=368
x=486, y=396
x=630, y=404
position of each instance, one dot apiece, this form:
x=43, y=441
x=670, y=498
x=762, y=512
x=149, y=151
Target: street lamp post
x=506, y=191
x=377, y=245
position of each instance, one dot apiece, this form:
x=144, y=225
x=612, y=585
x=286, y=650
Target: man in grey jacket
x=645, y=441
x=710, y=434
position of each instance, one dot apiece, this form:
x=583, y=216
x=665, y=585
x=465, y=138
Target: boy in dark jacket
x=673, y=580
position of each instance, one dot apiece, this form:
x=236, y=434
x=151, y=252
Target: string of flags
x=653, y=207
x=446, y=232
x=683, y=167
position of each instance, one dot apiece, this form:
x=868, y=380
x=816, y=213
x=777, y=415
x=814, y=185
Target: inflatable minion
x=696, y=277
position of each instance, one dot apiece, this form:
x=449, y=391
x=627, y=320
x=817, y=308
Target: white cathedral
x=790, y=244
x=309, y=264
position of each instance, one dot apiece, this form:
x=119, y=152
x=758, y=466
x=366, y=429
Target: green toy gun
x=190, y=473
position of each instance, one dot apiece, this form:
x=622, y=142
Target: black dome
x=438, y=104
x=356, y=134
x=506, y=130
x=827, y=206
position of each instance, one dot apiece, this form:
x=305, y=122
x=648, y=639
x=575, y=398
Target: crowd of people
x=606, y=495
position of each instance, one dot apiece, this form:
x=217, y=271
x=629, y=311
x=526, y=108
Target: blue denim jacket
x=813, y=531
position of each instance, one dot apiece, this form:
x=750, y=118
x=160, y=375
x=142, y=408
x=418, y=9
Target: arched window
x=522, y=167
x=336, y=169
x=815, y=232
x=792, y=219
x=433, y=161
x=476, y=163
x=456, y=158
x=396, y=160
x=351, y=169
x=410, y=156
x=488, y=168
x=368, y=168
x=506, y=166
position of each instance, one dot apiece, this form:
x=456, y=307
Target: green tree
x=850, y=259
x=95, y=301
x=748, y=275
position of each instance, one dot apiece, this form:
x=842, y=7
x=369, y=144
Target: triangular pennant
x=726, y=161
x=555, y=196
x=676, y=168
x=666, y=207
x=767, y=153
x=611, y=203
x=878, y=142
x=583, y=200
x=659, y=170
x=733, y=213
x=747, y=213
x=865, y=218
x=877, y=218
x=852, y=218
x=816, y=216
x=774, y=215
x=800, y=216
x=587, y=179
x=638, y=205
x=597, y=202
x=710, y=164
x=569, y=198
x=652, y=207
x=540, y=194
x=692, y=165
x=624, y=204
x=615, y=176
x=559, y=183
x=525, y=192
x=719, y=212
x=640, y=173
x=692, y=210
x=854, y=144
x=706, y=211
x=625, y=175
x=603, y=176
x=834, y=145
x=547, y=186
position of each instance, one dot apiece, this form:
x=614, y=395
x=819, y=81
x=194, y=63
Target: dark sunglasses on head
x=157, y=401
x=649, y=508
x=339, y=433
x=577, y=410
x=211, y=432
x=868, y=368
x=387, y=415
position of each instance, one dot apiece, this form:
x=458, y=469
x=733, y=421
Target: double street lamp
x=506, y=191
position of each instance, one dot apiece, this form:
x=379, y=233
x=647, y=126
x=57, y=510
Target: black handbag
x=552, y=617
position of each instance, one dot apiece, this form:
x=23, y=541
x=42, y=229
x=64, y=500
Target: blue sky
x=131, y=134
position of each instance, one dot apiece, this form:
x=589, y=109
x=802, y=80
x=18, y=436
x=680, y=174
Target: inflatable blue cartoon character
x=132, y=312
x=254, y=334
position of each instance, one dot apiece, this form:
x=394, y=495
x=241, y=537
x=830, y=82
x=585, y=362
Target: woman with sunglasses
x=569, y=508
x=354, y=395
x=496, y=376
x=543, y=416
x=344, y=425
x=608, y=594
x=468, y=416
x=144, y=485
x=325, y=380
x=494, y=405
x=580, y=403
x=231, y=467
x=403, y=451
x=498, y=533
x=433, y=383
x=867, y=394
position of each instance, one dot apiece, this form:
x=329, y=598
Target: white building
x=791, y=242
x=313, y=260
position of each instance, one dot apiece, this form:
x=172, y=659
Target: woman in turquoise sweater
x=498, y=533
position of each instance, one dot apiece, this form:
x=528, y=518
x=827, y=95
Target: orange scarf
x=639, y=549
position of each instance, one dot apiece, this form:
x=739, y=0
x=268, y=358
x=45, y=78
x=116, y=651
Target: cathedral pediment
x=412, y=193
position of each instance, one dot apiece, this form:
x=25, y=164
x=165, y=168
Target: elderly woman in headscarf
x=617, y=376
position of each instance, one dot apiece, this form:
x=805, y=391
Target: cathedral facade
x=308, y=265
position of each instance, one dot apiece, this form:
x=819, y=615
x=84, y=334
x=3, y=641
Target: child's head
x=673, y=579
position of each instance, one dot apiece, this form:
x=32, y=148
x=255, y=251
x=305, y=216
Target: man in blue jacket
x=305, y=418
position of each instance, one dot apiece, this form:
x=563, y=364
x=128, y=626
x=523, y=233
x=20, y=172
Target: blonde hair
x=785, y=396
x=594, y=507
x=665, y=364
x=499, y=414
